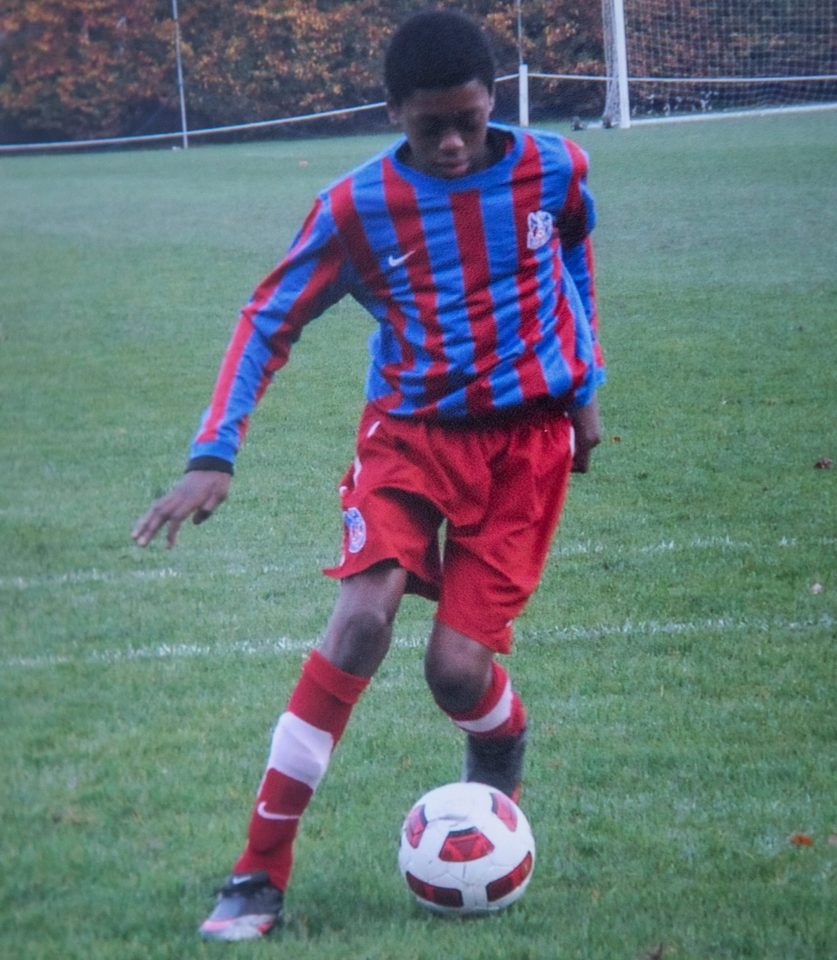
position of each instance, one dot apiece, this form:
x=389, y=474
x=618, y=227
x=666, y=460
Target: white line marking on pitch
x=582, y=548
x=284, y=645
x=75, y=577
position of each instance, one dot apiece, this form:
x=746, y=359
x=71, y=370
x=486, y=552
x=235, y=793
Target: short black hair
x=436, y=49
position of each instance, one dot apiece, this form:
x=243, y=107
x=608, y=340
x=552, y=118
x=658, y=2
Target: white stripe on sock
x=300, y=750
x=495, y=717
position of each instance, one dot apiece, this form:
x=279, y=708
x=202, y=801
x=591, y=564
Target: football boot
x=496, y=761
x=248, y=908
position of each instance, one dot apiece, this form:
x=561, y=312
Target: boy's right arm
x=196, y=495
x=307, y=281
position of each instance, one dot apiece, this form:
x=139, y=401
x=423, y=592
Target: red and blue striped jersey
x=482, y=288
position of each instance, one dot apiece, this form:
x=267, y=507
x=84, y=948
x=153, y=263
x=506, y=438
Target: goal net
x=692, y=57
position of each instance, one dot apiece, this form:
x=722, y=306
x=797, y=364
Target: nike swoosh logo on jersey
x=262, y=811
x=397, y=261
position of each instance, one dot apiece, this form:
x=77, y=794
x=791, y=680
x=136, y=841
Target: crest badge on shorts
x=541, y=226
x=355, y=529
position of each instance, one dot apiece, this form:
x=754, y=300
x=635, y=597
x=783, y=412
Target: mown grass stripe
x=581, y=548
x=180, y=651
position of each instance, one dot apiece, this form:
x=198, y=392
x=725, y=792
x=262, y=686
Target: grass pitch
x=677, y=661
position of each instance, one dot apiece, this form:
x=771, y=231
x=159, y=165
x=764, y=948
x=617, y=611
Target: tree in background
x=257, y=61
x=77, y=68
x=72, y=69
x=93, y=68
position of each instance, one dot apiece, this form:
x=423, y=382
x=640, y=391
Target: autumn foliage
x=93, y=68
x=83, y=67
x=74, y=69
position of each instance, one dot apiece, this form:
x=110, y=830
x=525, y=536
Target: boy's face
x=446, y=129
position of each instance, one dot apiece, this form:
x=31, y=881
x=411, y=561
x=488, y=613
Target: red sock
x=303, y=741
x=499, y=713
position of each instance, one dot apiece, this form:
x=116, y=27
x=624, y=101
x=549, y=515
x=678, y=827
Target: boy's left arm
x=575, y=223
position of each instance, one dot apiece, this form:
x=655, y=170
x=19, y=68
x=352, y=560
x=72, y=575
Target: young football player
x=468, y=242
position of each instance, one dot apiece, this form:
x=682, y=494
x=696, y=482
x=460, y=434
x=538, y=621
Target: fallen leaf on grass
x=824, y=463
x=801, y=840
x=73, y=817
x=655, y=953
x=817, y=588
x=832, y=840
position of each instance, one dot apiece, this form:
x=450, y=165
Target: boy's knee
x=368, y=626
x=358, y=640
x=457, y=683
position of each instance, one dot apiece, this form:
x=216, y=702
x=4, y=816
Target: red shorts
x=498, y=487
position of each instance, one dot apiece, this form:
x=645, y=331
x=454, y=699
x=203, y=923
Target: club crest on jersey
x=355, y=529
x=541, y=225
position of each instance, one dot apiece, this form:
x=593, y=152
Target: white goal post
x=689, y=58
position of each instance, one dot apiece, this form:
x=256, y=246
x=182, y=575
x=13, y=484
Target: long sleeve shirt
x=482, y=288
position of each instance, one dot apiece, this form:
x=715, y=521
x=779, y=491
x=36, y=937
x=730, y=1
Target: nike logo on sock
x=262, y=811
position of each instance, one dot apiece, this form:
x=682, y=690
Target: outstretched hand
x=587, y=426
x=197, y=494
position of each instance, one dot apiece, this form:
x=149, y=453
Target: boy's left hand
x=587, y=425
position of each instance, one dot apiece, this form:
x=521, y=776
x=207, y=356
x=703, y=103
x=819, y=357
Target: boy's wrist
x=215, y=464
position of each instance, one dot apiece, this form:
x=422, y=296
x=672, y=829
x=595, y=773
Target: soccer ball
x=466, y=848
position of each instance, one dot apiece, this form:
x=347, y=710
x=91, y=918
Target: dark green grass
x=677, y=661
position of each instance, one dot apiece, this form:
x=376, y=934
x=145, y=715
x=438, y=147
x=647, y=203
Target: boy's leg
x=490, y=570
x=496, y=736
x=251, y=900
x=332, y=680
x=476, y=693
x=303, y=742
